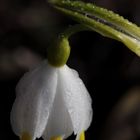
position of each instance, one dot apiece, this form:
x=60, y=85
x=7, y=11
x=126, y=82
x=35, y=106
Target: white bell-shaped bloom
x=51, y=102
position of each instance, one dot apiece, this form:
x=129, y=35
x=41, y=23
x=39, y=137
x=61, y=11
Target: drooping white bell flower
x=51, y=102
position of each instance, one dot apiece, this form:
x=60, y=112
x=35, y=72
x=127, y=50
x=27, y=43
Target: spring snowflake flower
x=51, y=102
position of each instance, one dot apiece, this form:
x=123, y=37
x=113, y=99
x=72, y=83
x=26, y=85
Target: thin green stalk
x=73, y=29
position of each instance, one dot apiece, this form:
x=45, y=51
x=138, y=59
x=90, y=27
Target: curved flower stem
x=59, y=52
x=73, y=29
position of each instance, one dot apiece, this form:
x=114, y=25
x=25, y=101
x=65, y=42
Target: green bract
x=102, y=21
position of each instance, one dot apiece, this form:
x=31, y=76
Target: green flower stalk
x=59, y=51
x=102, y=21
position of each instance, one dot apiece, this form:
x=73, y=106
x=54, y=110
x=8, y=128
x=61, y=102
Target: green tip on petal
x=82, y=136
x=26, y=136
x=59, y=52
x=57, y=138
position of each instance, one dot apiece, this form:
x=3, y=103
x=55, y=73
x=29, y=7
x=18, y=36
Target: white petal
x=59, y=122
x=76, y=98
x=35, y=95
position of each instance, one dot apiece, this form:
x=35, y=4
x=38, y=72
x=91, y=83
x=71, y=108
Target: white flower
x=51, y=102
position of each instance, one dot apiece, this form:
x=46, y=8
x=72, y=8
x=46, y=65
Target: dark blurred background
x=109, y=70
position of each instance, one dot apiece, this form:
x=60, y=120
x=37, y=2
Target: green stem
x=59, y=51
x=73, y=29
